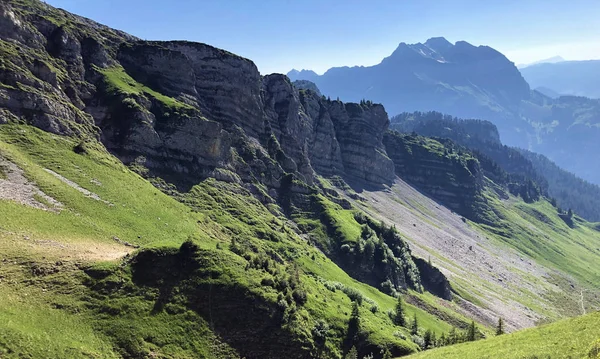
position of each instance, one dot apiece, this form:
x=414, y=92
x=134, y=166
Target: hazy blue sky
x=317, y=34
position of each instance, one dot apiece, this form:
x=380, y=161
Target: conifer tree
x=471, y=332
x=399, y=318
x=386, y=354
x=427, y=339
x=452, y=337
x=352, y=354
x=353, y=325
x=500, y=327
x=415, y=326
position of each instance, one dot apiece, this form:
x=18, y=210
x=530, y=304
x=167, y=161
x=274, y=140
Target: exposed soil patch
x=85, y=251
x=15, y=187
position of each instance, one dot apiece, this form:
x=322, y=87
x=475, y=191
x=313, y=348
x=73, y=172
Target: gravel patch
x=16, y=187
x=74, y=185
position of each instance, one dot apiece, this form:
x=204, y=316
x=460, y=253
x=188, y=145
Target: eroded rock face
x=359, y=130
x=228, y=86
x=180, y=107
x=433, y=279
x=323, y=148
x=456, y=181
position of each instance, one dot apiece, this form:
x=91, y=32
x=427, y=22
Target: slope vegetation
x=571, y=338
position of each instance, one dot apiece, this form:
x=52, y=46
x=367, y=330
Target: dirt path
x=495, y=274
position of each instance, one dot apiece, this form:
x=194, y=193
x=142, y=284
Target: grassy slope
x=83, y=233
x=538, y=232
x=571, y=338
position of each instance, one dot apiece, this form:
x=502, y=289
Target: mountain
x=577, y=78
x=569, y=191
x=477, y=82
x=308, y=75
x=550, y=60
x=163, y=199
x=548, y=92
x=459, y=79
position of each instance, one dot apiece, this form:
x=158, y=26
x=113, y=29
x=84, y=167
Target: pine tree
x=415, y=326
x=471, y=332
x=386, y=354
x=399, y=318
x=500, y=327
x=353, y=325
x=442, y=341
x=427, y=339
x=452, y=337
x=352, y=354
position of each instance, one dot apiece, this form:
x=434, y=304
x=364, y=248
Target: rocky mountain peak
x=438, y=43
x=302, y=74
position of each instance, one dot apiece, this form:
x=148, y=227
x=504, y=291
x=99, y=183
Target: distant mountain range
x=578, y=78
x=551, y=60
x=470, y=81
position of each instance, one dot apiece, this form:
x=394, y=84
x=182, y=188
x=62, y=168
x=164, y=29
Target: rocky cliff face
x=360, y=129
x=179, y=108
x=440, y=171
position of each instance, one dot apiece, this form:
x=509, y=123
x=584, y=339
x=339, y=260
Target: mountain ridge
x=469, y=81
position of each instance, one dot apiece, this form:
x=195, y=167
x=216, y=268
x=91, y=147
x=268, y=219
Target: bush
x=319, y=332
x=345, y=248
x=594, y=352
x=300, y=296
x=267, y=282
x=333, y=286
x=418, y=340
x=400, y=335
x=354, y=295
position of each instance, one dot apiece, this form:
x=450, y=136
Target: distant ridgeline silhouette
x=568, y=190
x=474, y=82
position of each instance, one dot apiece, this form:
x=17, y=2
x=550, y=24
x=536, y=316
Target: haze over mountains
x=475, y=82
x=577, y=78
x=550, y=60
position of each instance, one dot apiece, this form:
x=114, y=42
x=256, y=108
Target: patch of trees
x=427, y=339
x=277, y=274
x=381, y=256
x=566, y=189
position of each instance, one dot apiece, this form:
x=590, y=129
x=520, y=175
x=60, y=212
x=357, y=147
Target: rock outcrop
x=453, y=179
x=360, y=129
x=178, y=108
x=433, y=279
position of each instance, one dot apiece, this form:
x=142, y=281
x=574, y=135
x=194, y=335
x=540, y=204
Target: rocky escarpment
x=180, y=109
x=444, y=172
x=360, y=129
